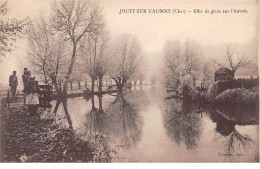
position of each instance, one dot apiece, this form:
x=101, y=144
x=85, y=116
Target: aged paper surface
x=129, y=81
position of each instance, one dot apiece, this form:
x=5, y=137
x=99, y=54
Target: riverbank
x=229, y=92
x=38, y=138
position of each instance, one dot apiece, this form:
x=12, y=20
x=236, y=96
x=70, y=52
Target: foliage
x=39, y=139
x=199, y=95
x=248, y=83
x=218, y=87
x=237, y=97
x=103, y=152
x=182, y=60
x=10, y=30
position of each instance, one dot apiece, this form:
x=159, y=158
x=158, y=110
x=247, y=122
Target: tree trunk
x=93, y=102
x=92, y=84
x=79, y=85
x=120, y=83
x=100, y=102
x=86, y=84
x=56, y=106
x=73, y=58
x=64, y=102
x=100, y=83
x=71, y=86
x=121, y=86
x=233, y=74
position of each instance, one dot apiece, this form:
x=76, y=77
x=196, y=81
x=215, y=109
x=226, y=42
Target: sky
x=152, y=30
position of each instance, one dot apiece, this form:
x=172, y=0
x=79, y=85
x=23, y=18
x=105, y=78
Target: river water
x=148, y=128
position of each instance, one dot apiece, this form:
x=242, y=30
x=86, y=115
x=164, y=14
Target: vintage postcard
x=129, y=81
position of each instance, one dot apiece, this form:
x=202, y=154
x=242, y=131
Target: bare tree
x=88, y=52
x=95, y=57
x=140, y=71
x=172, y=56
x=47, y=55
x=46, y=52
x=124, y=60
x=233, y=60
x=182, y=61
x=191, y=54
x=10, y=29
x=74, y=19
x=103, y=57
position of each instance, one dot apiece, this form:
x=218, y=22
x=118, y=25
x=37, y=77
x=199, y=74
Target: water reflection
x=119, y=119
x=123, y=121
x=153, y=129
x=182, y=122
x=95, y=117
x=226, y=120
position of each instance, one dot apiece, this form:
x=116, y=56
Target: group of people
x=31, y=90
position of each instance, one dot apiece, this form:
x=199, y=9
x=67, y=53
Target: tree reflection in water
x=123, y=121
x=119, y=120
x=182, y=122
x=63, y=101
x=226, y=120
x=95, y=118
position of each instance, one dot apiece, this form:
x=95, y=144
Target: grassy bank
x=39, y=138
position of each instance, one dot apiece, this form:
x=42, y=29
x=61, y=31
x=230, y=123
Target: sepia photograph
x=129, y=81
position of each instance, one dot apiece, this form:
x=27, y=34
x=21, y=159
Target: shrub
x=237, y=97
x=187, y=91
x=220, y=86
x=199, y=95
x=248, y=83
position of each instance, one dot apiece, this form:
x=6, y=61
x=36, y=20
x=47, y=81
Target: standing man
x=25, y=76
x=13, y=82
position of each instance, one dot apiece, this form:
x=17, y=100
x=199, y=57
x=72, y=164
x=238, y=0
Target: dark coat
x=32, y=87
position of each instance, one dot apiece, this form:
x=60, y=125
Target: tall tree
x=103, y=63
x=124, y=60
x=74, y=19
x=95, y=56
x=47, y=53
x=182, y=62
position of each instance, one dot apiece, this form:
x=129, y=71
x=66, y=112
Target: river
x=144, y=127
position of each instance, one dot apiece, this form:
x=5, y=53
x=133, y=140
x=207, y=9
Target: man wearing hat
x=13, y=82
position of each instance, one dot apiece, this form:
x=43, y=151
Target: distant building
x=224, y=74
